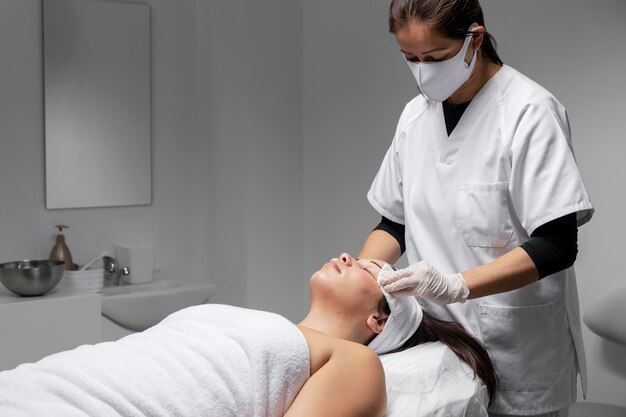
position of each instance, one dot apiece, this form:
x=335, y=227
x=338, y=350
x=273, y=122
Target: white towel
x=209, y=360
x=406, y=316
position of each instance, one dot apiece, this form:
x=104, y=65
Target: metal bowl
x=31, y=277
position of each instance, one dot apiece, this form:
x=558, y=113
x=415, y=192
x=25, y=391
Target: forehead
x=418, y=37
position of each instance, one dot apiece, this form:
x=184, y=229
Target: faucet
x=112, y=272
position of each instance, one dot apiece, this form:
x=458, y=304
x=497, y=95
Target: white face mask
x=438, y=80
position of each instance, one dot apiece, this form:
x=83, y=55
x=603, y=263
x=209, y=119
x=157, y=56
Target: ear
x=376, y=323
x=479, y=35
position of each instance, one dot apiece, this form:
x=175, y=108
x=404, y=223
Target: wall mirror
x=97, y=103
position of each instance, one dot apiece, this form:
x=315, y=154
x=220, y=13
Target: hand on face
x=423, y=280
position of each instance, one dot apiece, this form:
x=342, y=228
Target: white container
x=89, y=281
x=139, y=258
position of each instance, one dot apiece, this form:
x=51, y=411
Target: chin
x=323, y=281
x=316, y=278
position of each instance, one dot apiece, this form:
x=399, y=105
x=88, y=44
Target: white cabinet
x=34, y=327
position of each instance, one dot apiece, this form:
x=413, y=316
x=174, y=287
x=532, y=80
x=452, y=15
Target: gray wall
x=270, y=120
x=250, y=121
x=355, y=86
x=227, y=151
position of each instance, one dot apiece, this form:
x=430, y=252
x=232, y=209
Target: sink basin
x=140, y=288
x=139, y=306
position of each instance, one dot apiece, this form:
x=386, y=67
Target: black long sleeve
x=554, y=245
x=396, y=230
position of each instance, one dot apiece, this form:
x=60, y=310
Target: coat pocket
x=522, y=344
x=482, y=214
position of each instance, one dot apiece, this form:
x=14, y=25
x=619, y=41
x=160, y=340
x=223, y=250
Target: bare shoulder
x=354, y=354
x=349, y=377
x=323, y=348
x=363, y=372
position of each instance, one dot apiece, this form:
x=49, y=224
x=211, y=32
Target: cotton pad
x=406, y=316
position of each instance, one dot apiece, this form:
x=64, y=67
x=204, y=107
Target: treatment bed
x=430, y=380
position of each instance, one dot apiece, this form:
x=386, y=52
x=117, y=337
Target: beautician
x=480, y=187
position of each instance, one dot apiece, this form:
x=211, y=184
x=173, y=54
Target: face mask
x=438, y=80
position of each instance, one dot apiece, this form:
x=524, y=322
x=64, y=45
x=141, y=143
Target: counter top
x=7, y=297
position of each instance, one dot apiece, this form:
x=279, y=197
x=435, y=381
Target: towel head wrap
x=403, y=321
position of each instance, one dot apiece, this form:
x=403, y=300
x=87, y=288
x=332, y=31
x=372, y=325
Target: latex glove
x=425, y=281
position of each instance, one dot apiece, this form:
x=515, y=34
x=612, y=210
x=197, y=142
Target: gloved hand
x=423, y=280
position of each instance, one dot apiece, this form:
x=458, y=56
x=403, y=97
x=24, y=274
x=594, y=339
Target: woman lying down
x=217, y=360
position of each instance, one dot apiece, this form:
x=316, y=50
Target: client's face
x=348, y=283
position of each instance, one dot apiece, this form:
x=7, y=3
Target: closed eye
x=392, y=267
x=425, y=59
x=379, y=267
x=364, y=267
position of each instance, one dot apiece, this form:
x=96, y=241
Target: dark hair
x=451, y=18
x=453, y=335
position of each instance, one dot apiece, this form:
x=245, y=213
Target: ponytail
x=464, y=345
x=489, y=46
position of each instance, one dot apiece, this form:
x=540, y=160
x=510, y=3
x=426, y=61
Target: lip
x=334, y=264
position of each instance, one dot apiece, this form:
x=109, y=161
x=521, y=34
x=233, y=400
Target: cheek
x=375, y=293
x=370, y=291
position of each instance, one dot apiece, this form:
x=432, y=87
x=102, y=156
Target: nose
x=346, y=259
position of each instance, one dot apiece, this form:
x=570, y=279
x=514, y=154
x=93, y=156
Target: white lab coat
x=506, y=169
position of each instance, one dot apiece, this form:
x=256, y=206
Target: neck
x=484, y=71
x=335, y=324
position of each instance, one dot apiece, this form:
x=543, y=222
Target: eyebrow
x=370, y=272
x=376, y=263
x=423, y=53
x=358, y=259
